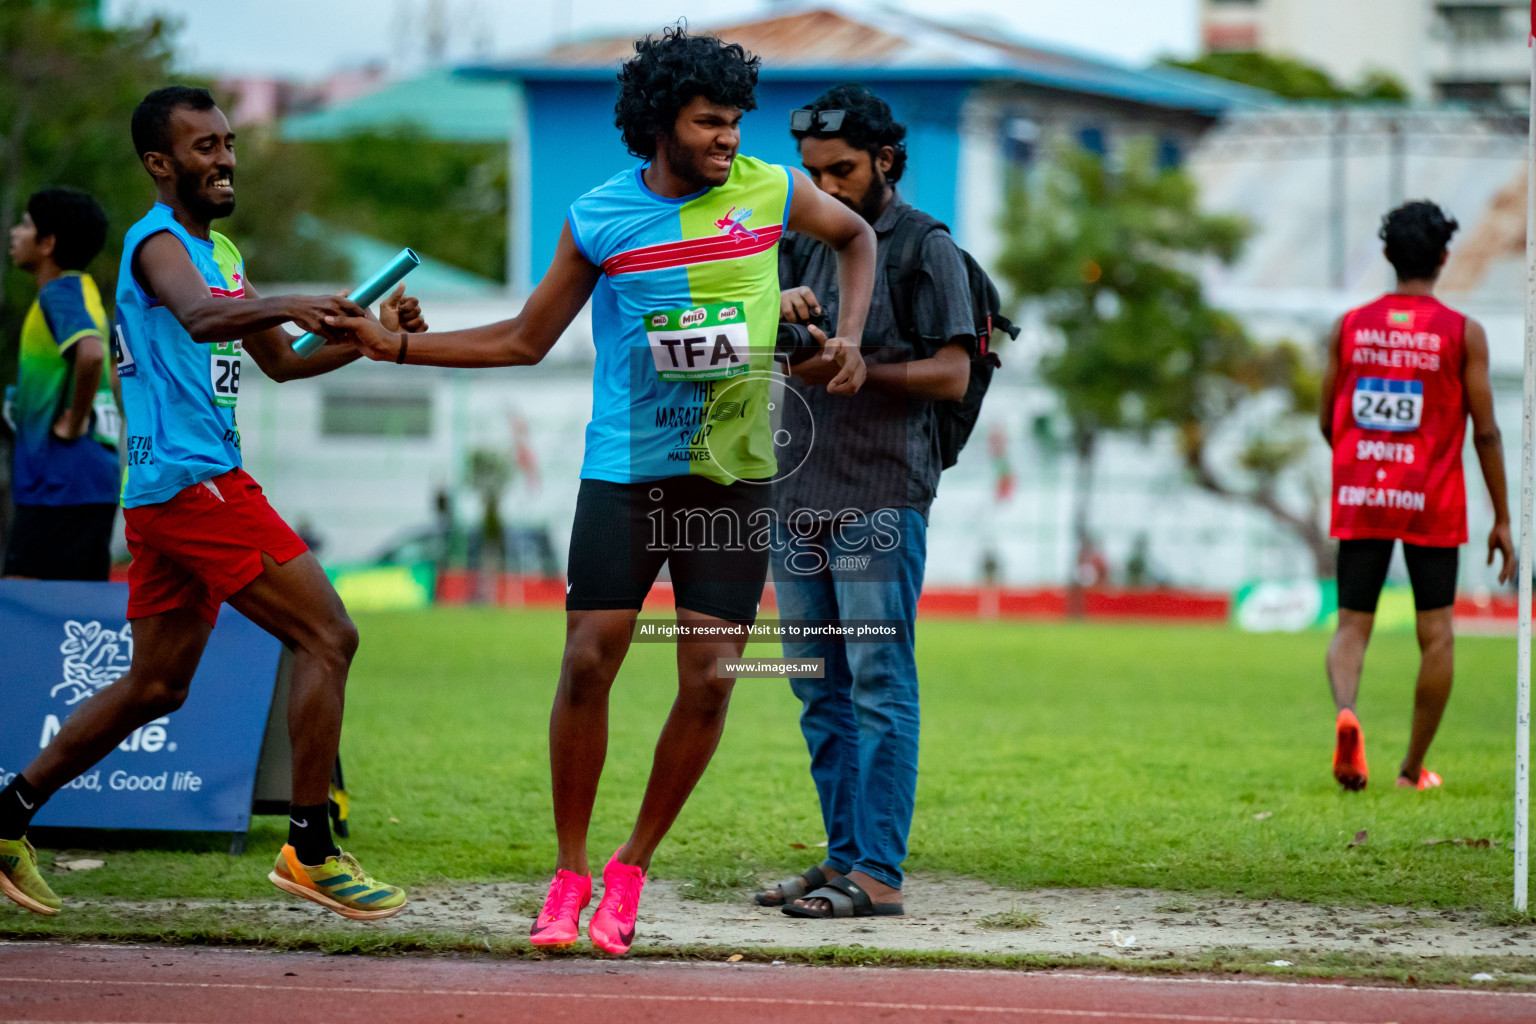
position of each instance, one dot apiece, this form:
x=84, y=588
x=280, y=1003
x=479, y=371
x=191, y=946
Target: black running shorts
x=60, y=542
x=703, y=531
x=1363, y=569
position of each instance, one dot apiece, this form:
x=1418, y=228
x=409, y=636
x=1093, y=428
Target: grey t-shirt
x=872, y=450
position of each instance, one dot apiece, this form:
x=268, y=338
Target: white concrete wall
x=980, y=182
x=1350, y=38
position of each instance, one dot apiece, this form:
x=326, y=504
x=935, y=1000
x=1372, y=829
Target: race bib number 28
x=1388, y=404
x=224, y=372
x=700, y=343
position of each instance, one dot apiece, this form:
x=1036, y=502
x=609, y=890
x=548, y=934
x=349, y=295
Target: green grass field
x=1052, y=755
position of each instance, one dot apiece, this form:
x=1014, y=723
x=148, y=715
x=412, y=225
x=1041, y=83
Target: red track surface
x=179, y=985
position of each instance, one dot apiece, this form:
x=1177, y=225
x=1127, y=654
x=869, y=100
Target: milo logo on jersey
x=699, y=343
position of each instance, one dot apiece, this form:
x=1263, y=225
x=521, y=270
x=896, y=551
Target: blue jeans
x=861, y=721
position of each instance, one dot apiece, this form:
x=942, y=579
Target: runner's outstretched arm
x=521, y=341
x=163, y=268
x=1489, y=444
x=813, y=212
x=1330, y=381
x=273, y=348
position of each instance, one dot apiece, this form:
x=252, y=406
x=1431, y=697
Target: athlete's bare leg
x=1346, y=656
x=595, y=645
x=166, y=649
x=296, y=603
x=1436, y=667
x=687, y=741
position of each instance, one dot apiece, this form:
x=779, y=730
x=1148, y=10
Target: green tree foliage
x=67, y=89
x=277, y=183
x=448, y=199
x=445, y=199
x=1280, y=434
x=1293, y=79
x=1111, y=253
x=1382, y=86
x=489, y=473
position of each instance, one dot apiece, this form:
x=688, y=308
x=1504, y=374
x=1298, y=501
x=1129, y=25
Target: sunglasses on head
x=807, y=120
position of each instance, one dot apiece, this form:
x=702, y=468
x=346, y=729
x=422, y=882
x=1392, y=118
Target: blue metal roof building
x=972, y=104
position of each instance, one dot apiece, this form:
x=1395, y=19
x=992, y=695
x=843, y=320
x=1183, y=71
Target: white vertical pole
x=1527, y=542
x=520, y=201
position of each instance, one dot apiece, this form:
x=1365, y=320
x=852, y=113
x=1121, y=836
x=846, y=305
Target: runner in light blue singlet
x=178, y=395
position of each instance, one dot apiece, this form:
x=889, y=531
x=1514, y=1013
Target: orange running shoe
x=558, y=925
x=1427, y=780
x=1349, y=752
x=612, y=928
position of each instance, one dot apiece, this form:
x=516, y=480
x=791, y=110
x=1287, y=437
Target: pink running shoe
x=1349, y=752
x=1427, y=780
x=612, y=928
x=559, y=924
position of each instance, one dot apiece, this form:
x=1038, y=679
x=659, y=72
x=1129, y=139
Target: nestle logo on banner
x=692, y=318
x=94, y=657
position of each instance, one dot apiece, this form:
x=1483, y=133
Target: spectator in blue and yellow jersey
x=66, y=477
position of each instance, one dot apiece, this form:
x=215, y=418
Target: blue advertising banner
x=190, y=771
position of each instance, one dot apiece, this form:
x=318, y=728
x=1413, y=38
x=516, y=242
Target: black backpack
x=954, y=421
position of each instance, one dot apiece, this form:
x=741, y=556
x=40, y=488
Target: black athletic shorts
x=60, y=542
x=703, y=531
x=1363, y=569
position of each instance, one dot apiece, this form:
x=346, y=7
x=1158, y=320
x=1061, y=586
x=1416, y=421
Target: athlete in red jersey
x=1404, y=372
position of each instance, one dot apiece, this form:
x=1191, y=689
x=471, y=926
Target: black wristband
x=404, y=344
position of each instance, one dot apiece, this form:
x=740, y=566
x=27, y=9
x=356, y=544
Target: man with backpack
x=852, y=513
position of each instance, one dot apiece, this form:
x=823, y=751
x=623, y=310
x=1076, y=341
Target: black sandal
x=847, y=900
x=792, y=889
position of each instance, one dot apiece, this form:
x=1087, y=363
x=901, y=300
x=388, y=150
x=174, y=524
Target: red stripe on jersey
x=692, y=251
x=218, y=293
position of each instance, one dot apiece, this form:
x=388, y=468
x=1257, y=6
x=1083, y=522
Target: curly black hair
x=666, y=74
x=1416, y=235
x=75, y=221
x=868, y=124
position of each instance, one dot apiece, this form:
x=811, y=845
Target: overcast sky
x=309, y=38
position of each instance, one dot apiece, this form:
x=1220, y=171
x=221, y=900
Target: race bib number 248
x=1396, y=405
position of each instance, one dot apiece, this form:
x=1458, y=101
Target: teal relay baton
x=367, y=293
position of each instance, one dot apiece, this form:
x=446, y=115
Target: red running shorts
x=202, y=546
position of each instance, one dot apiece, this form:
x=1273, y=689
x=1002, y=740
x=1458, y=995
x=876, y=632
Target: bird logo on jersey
x=733, y=226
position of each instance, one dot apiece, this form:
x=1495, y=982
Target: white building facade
x=1444, y=51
